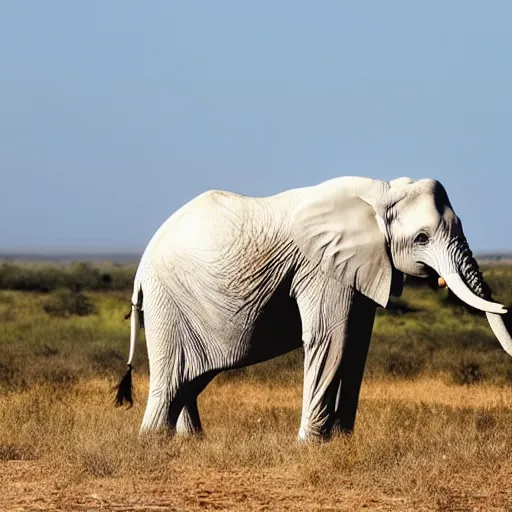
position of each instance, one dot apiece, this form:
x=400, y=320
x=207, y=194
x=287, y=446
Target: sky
x=114, y=114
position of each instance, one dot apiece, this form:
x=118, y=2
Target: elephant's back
x=219, y=238
x=219, y=233
x=203, y=229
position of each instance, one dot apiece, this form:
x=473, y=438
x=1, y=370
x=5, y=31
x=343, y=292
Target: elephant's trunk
x=468, y=284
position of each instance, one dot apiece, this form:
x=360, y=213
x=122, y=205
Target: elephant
x=230, y=280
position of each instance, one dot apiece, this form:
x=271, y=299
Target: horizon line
x=55, y=252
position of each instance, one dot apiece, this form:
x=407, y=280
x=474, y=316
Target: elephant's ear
x=340, y=233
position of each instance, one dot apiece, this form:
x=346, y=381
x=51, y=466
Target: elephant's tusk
x=500, y=331
x=460, y=289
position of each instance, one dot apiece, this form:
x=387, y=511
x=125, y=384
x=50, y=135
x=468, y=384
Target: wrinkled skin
x=228, y=281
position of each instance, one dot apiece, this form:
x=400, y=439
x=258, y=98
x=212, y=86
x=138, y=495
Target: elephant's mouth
x=429, y=276
x=433, y=278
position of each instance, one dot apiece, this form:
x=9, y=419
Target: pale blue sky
x=114, y=113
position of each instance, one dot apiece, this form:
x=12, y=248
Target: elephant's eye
x=421, y=239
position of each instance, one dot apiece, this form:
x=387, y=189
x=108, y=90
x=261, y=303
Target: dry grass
x=423, y=440
x=420, y=444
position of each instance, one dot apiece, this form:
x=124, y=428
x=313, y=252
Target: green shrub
x=398, y=307
x=65, y=303
x=404, y=364
x=76, y=276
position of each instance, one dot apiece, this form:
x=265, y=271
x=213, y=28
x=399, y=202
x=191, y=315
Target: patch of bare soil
x=34, y=486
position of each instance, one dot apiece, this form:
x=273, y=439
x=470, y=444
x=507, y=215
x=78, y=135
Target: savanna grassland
x=433, y=431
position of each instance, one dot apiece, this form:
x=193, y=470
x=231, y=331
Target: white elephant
x=229, y=280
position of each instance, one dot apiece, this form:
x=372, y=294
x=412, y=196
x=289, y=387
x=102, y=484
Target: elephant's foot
x=311, y=436
x=189, y=423
x=337, y=430
x=188, y=432
x=344, y=425
x=149, y=435
x=155, y=417
x=343, y=432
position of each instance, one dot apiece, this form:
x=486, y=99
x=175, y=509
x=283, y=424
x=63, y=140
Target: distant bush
x=404, y=364
x=66, y=303
x=499, y=279
x=397, y=307
x=28, y=278
x=46, y=350
x=467, y=372
x=8, y=373
x=106, y=359
x=76, y=277
x=12, y=375
x=57, y=374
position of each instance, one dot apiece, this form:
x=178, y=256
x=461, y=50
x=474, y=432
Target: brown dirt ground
x=30, y=486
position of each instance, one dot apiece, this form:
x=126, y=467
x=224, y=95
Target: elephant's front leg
x=324, y=314
x=360, y=327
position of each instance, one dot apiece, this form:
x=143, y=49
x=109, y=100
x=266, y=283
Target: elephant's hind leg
x=189, y=422
x=171, y=367
x=164, y=404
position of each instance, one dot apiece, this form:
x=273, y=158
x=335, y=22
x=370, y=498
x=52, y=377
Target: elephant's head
x=362, y=231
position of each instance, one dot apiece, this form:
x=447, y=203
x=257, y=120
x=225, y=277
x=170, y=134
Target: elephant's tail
x=124, y=390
